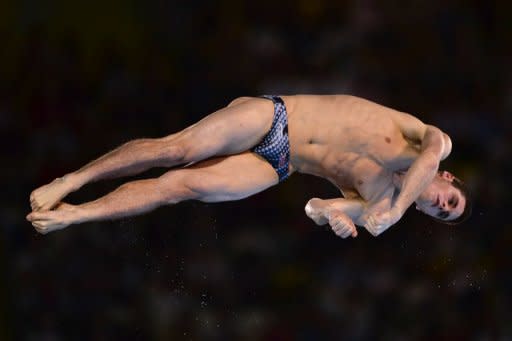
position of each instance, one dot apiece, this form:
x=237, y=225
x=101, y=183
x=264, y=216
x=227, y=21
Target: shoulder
x=410, y=126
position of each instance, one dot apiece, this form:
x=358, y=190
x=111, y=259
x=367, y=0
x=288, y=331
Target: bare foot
x=47, y=196
x=47, y=221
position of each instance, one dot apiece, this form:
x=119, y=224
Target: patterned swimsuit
x=275, y=146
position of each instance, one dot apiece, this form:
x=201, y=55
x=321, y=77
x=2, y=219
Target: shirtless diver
x=381, y=159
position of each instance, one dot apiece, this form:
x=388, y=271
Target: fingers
x=373, y=226
x=343, y=227
x=39, y=228
x=344, y=231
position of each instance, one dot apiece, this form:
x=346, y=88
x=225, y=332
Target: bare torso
x=352, y=142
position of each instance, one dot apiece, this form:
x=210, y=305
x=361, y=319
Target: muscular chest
x=361, y=174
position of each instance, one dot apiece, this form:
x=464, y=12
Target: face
x=441, y=199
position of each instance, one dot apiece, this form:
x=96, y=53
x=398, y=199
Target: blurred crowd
x=80, y=78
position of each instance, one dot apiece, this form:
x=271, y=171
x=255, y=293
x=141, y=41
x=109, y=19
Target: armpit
x=350, y=194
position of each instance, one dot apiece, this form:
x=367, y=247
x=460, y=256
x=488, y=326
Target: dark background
x=78, y=78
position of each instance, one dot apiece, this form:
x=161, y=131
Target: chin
x=426, y=198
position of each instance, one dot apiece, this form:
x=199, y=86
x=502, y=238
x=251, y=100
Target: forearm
x=416, y=180
x=423, y=170
x=319, y=210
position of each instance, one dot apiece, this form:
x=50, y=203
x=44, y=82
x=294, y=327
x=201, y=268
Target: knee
x=209, y=188
x=196, y=185
x=177, y=186
x=238, y=100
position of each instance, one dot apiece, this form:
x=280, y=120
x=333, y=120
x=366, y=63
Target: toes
x=39, y=216
x=35, y=206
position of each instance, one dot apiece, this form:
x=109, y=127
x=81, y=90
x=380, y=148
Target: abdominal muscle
x=363, y=168
x=356, y=174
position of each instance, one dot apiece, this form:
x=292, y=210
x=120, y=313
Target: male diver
x=381, y=159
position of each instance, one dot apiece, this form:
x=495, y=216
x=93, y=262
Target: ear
x=447, y=176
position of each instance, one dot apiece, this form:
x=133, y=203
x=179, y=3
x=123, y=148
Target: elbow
x=437, y=143
x=447, y=146
x=310, y=209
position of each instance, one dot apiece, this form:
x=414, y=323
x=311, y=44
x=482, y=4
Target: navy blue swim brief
x=275, y=146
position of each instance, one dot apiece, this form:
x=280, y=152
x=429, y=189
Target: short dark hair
x=468, y=207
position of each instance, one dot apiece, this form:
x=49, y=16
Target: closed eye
x=453, y=201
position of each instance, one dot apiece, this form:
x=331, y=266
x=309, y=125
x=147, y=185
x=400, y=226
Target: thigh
x=229, y=178
x=230, y=130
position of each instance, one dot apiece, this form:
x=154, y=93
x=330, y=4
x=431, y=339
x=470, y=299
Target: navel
x=388, y=140
x=360, y=182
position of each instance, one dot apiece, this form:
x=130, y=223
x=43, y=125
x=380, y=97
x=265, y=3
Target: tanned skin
x=382, y=160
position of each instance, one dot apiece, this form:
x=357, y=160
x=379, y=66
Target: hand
x=47, y=221
x=378, y=222
x=342, y=225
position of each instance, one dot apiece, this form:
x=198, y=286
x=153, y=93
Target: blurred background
x=78, y=78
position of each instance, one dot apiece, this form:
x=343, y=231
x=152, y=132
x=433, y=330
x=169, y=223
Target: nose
x=443, y=204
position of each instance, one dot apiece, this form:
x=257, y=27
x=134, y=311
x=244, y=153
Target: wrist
x=398, y=209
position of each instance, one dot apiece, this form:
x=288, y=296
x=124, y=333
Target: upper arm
x=411, y=127
x=431, y=138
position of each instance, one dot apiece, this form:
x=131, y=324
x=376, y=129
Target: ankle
x=71, y=180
